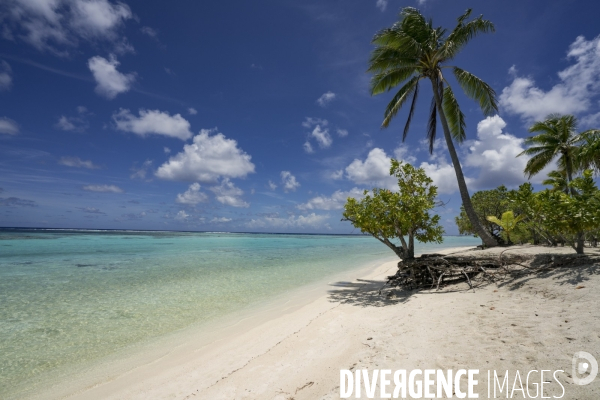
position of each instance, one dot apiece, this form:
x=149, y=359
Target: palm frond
x=387, y=57
x=432, y=125
x=387, y=80
x=588, y=156
x=478, y=90
x=454, y=116
x=411, y=112
x=464, y=32
x=398, y=100
x=537, y=163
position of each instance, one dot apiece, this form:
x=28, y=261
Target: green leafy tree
x=508, y=223
x=411, y=51
x=570, y=217
x=485, y=203
x=401, y=216
x=524, y=201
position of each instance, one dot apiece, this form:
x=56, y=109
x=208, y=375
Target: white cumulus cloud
x=289, y=181
x=192, y=196
x=227, y=193
x=153, y=122
x=494, y=154
x=579, y=85
x=374, y=170
x=443, y=175
x=326, y=98
x=207, y=159
x=334, y=202
x=322, y=136
x=192, y=111
x=272, y=185
x=109, y=81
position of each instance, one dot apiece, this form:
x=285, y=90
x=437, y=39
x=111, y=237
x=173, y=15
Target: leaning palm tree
x=411, y=51
x=556, y=139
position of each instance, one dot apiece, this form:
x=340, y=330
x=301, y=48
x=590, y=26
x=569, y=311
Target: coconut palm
x=589, y=154
x=556, y=139
x=411, y=51
x=558, y=181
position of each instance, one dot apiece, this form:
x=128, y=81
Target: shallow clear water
x=68, y=298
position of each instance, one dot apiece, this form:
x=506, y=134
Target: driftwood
x=436, y=270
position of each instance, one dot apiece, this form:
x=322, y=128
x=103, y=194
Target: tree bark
x=485, y=236
x=579, y=243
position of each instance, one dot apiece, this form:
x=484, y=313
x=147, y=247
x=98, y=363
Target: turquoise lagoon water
x=68, y=298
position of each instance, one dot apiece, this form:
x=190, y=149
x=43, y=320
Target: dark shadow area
x=571, y=270
x=365, y=293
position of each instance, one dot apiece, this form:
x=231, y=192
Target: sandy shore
x=531, y=323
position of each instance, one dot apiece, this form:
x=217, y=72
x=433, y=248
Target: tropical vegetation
x=413, y=50
x=399, y=216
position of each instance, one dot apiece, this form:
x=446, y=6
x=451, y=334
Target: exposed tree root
x=436, y=270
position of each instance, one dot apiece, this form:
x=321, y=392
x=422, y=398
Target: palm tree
x=413, y=50
x=557, y=138
x=589, y=154
x=558, y=181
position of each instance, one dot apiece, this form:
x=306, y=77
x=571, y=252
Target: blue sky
x=255, y=115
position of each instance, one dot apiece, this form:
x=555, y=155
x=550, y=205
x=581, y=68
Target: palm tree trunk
x=485, y=236
x=569, y=168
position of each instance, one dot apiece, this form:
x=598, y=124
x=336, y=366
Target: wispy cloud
x=5, y=76
x=77, y=162
x=326, y=98
x=103, y=188
x=381, y=4
x=8, y=126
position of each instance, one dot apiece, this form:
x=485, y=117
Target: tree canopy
x=399, y=216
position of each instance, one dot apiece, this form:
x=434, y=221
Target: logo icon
x=585, y=368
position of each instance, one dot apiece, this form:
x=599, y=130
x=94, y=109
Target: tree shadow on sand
x=366, y=293
x=572, y=270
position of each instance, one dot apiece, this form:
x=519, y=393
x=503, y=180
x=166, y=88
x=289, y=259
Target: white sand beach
x=536, y=322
